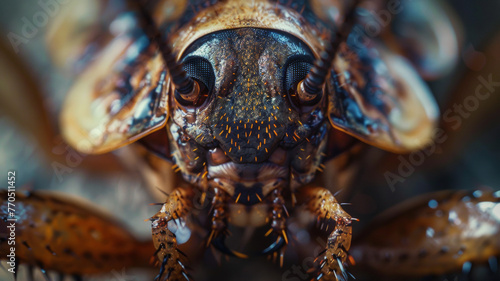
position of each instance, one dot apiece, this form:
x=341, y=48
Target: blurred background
x=468, y=159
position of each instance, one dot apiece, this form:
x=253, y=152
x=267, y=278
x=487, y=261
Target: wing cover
x=118, y=98
x=379, y=98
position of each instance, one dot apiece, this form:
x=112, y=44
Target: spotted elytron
x=248, y=101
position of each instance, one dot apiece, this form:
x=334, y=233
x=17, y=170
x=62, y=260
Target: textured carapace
x=251, y=122
x=249, y=131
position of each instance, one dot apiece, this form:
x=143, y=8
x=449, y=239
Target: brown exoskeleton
x=248, y=100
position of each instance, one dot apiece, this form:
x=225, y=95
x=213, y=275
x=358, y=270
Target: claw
x=162, y=268
x=186, y=276
x=342, y=269
x=220, y=244
x=275, y=247
x=336, y=276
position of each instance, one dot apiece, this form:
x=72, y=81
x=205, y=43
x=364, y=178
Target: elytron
x=251, y=103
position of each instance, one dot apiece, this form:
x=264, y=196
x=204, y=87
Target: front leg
x=323, y=204
x=177, y=206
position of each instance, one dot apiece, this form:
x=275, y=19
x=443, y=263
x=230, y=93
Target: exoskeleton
x=244, y=106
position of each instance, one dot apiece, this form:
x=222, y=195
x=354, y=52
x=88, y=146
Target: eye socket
x=296, y=72
x=201, y=71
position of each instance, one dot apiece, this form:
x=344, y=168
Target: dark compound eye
x=202, y=73
x=296, y=71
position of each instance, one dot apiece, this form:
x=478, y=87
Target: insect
x=248, y=100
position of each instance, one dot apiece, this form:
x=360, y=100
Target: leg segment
x=56, y=233
x=323, y=204
x=440, y=233
x=278, y=222
x=219, y=224
x=278, y=215
x=177, y=206
x=219, y=215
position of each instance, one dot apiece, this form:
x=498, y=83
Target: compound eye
x=296, y=72
x=201, y=71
